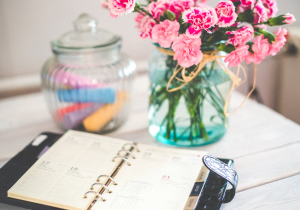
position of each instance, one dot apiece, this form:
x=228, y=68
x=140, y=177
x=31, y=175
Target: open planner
x=88, y=171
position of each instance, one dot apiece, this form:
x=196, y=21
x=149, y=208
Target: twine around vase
x=210, y=57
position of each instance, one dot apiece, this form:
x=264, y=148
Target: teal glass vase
x=192, y=115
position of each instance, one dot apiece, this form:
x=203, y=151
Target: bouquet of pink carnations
x=192, y=35
x=237, y=27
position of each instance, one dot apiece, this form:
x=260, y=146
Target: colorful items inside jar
x=88, y=104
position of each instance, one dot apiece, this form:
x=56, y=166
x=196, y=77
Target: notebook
x=88, y=171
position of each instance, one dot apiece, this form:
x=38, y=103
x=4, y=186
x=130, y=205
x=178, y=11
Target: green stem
x=141, y=13
x=202, y=128
x=216, y=98
x=265, y=22
x=181, y=135
x=146, y=12
x=218, y=108
x=254, y=5
x=173, y=103
x=220, y=95
x=217, y=89
x=212, y=65
x=194, y=95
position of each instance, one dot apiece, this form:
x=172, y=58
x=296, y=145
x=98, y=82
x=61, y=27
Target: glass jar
x=192, y=115
x=88, y=82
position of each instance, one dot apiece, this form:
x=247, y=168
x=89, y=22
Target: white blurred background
x=28, y=26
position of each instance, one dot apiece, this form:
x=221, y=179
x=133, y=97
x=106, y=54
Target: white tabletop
x=264, y=145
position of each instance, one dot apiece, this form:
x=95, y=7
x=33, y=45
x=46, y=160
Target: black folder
x=14, y=169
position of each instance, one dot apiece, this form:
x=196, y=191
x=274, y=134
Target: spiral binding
x=99, y=183
x=98, y=194
x=104, y=186
x=98, y=179
x=123, y=150
x=128, y=163
x=132, y=145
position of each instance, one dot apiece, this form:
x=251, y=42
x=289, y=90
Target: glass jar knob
x=85, y=23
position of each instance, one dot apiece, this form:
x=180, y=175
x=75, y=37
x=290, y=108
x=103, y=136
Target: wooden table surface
x=264, y=145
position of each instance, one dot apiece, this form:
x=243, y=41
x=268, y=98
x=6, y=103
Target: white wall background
x=28, y=26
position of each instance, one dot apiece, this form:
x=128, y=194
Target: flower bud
x=170, y=15
x=289, y=18
x=167, y=15
x=137, y=6
x=281, y=20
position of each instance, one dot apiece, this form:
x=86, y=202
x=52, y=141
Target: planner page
x=159, y=178
x=62, y=176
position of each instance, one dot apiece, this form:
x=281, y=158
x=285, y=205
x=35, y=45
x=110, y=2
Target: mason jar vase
x=192, y=115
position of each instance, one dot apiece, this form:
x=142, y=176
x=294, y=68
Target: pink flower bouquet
x=221, y=27
x=192, y=35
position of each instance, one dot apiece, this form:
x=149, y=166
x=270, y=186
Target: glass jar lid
x=86, y=36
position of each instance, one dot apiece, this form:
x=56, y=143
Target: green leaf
x=162, y=17
x=256, y=33
x=271, y=37
x=246, y=16
x=226, y=48
x=217, y=37
x=212, y=118
x=250, y=47
x=236, y=4
x=184, y=27
x=180, y=20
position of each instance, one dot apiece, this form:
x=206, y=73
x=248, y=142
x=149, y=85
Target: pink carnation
x=241, y=36
x=226, y=13
x=289, y=18
x=201, y=3
x=139, y=17
x=260, y=13
x=271, y=7
x=187, y=50
x=237, y=56
x=156, y=9
x=176, y=6
x=119, y=7
x=248, y=3
x=275, y=47
x=179, y=6
x=260, y=48
x=241, y=9
x=165, y=33
x=104, y=4
x=200, y=18
x=145, y=25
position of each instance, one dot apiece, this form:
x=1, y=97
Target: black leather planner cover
x=14, y=169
